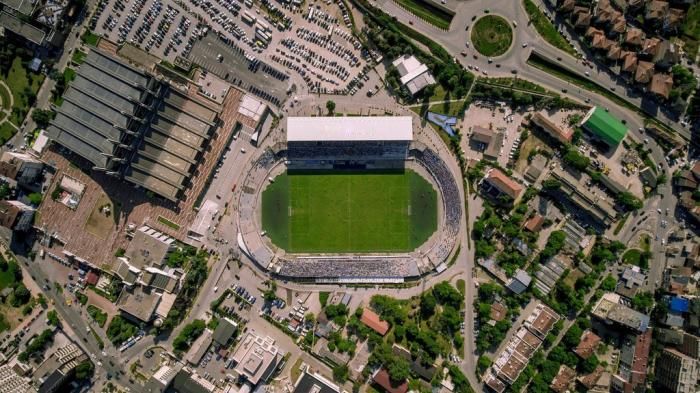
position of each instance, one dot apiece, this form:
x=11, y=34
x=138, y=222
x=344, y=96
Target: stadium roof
x=603, y=125
x=370, y=128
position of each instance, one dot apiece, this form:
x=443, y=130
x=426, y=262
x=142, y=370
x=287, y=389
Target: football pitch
x=342, y=211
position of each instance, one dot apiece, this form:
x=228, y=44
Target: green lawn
x=6, y=132
x=328, y=211
x=79, y=57
x=21, y=82
x=5, y=96
x=546, y=29
x=632, y=256
x=428, y=12
x=691, y=30
x=90, y=38
x=492, y=35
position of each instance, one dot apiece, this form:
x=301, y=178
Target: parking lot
x=313, y=46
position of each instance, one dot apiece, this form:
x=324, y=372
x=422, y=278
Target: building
x=603, y=126
x=548, y=274
x=630, y=282
x=199, y=348
x=374, y=322
x=381, y=378
x=413, y=74
x=224, y=331
x=534, y=223
x=20, y=167
x=12, y=381
x=691, y=345
x=256, y=358
x=314, y=383
x=519, y=282
x=588, y=344
x=57, y=368
x=610, y=310
x=489, y=141
x=595, y=206
x=500, y=184
x=564, y=379
x=148, y=247
x=188, y=381
x=677, y=372
x=661, y=85
x=133, y=125
x=551, y=129
x=510, y=363
x=354, y=142
x=16, y=216
x=138, y=303
x=634, y=361
x=162, y=378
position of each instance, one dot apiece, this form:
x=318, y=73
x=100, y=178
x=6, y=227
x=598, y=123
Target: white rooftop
x=354, y=128
x=252, y=107
x=414, y=74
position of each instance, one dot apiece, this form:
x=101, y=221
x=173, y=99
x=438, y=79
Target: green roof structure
x=604, y=126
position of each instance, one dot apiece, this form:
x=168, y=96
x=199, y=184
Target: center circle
x=492, y=35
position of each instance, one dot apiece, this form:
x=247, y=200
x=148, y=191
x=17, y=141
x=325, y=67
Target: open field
x=428, y=12
x=21, y=84
x=492, y=35
x=327, y=211
x=691, y=30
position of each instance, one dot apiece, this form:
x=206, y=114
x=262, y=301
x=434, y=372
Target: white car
x=524, y=44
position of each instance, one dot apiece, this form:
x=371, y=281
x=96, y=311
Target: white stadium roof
x=352, y=128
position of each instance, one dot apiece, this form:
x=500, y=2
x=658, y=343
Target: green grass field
x=492, y=35
x=326, y=211
x=430, y=13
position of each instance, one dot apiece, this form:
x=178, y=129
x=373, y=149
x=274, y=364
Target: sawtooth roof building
x=132, y=125
x=604, y=126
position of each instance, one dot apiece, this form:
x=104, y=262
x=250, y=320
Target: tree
x=398, y=368
x=4, y=191
x=427, y=304
x=52, y=317
x=589, y=365
x=330, y=107
x=643, y=302
x=34, y=198
x=20, y=296
x=341, y=373
x=84, y=370
x=42, y=117
x=551, y=184
x=576, y=160
x=629, y=201
x=483, y=363
x=608, y=283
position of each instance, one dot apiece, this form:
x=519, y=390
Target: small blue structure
x=679, y=305
x=35, y=64
x=443, y=121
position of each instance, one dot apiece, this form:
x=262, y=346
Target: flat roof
x=15, y=25
x=355, y=128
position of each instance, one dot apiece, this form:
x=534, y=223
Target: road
x=457, y=38
x=110, y=363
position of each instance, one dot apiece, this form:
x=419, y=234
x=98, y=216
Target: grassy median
x=546, y=29
x=428, y=12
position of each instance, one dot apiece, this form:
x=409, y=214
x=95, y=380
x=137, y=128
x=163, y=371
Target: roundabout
x=491, y=35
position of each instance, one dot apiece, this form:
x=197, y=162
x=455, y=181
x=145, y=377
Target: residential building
x=501, y=184
x=661, y=85
x=551, y=129
x=16, y=216
x=519, y=282
x=20, y=167
x=138, y=304
x=14, y=382
x=677, y=372
x=314, y=383
x=199, y=348
x=588, y=344
x=224, y=331
x=634, y=358
x=414, y=75
x=256, y=358
x=534, y=223
x=548, y=274
x=595, y=206
x=609, y=309
x=163, y=377
x=381, y=378
x=374, y=322
x=57, y=368
x=188, y=381
x=564, y=380
x=690, y=345
x=630, y=282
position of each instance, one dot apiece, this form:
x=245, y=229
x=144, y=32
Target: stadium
x=349, y=200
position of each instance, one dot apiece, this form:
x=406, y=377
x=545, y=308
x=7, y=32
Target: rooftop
x=355, y=128
x=314, y=383
x=503, y=183
x=148, y=247
x=255, y=357
x=588, y=344
x=138, y=303
x=604, y=126
x=374, y=322
x=381, y=378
